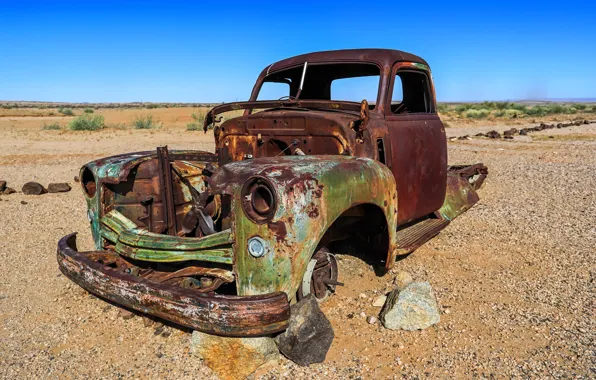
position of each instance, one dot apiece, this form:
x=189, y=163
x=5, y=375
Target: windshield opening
x=330, y=81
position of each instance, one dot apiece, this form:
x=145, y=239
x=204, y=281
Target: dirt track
x=514, y=276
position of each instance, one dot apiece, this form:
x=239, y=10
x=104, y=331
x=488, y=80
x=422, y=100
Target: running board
x=411, y=237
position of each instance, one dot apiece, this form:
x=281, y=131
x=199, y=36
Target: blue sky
x=210, y=52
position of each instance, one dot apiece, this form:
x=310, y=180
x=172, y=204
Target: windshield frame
x=377, y=102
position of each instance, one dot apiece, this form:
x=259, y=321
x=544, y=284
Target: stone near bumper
x=233, y=358
x=58, y=187
x=413, y=308
x=309, y=335
x=402, y=280
x=33, y=188
x=2, y=186
x=380, y=301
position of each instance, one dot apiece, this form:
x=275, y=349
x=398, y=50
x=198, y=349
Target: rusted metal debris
x=223, y=242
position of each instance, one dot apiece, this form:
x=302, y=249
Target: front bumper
x=208, y=312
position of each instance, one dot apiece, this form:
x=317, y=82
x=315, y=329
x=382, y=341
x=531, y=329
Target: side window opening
x=411, y=93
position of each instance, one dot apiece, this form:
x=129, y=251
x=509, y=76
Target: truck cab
x=392, y=118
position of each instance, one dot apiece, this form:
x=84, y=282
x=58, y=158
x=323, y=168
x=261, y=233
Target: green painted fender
x=312, y=192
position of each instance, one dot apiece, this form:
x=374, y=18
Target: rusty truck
x=333, y=149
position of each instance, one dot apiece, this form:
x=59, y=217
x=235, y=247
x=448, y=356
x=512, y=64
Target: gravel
x=513, y=277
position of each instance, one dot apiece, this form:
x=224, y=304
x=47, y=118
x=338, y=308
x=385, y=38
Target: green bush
x=477, y=113
x=537, y=111
x=87, y=123
x=460, y=108
x=579, y=106
x=513, y=113
x=151, y=106
x=51, y=127
x=146, y=122
x=502, y=105
x=443, y=107
x=198, y=120
x=499, y=113
x=89, y=110
x=66, y=111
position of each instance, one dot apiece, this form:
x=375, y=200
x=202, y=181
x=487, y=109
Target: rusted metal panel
x=211, y=313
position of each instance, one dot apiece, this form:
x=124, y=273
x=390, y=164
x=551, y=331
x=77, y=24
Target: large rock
x=309, y=335
x=413, y=308
x=61, y=187
x=233, y=358
x=33, y=188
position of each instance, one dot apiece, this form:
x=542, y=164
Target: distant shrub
x=513, y=113
x=198, y=120
x=502, y=105
x=579, y=106
x=537, y=111
x=151, y=106
x=51, y=127
x=518, y=107
x=89, y=110
x=146, y=122
x=87, y=123
x=443, y=107
x=66, y=111
x=9, y=106
x=594, y=109
x=476, y=114
x=499, y=113
x=461, y=108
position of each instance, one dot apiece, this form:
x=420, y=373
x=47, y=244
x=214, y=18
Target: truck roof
x=384, y=57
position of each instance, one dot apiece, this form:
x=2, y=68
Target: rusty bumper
x=208, y=312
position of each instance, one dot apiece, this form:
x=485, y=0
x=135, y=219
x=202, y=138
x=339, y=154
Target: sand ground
x=514, y=276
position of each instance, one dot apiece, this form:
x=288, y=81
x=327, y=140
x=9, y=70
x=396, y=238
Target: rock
x=9, y=190
x=126, y=314
x=380, y=301
x=309, y=335
x=362, y=314
x=362, y=295
x=233, y=358
x=76, y=179
x=33, y=188
x=493, y=135
x=402, y=280
x=413, y=308
x=523, y=132
x=61, y=187
x=23, y=202
x=372, y=320
x=2, y=186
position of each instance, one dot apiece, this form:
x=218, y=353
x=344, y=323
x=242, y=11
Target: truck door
x=418, y=142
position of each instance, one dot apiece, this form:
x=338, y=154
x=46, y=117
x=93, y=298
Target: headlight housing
x=259, y=199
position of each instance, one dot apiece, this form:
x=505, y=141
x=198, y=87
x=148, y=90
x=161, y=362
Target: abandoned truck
x=350, y=152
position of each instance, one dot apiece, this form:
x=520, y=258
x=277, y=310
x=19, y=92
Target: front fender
x=312, y=192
